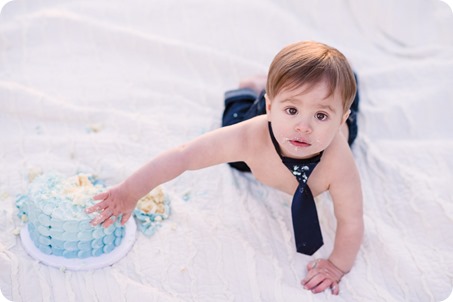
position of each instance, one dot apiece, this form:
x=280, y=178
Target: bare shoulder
x=337, y=167
x=240, y=141
x=253, y=133
x=339, y=154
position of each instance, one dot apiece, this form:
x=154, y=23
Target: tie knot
x=301, y=171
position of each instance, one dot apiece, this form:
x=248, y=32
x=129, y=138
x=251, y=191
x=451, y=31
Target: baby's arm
x=345, y=189
x=346, y=193
x=212, y=148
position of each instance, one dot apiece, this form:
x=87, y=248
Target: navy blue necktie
x=307, y=231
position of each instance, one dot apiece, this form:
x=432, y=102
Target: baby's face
x=305, y=121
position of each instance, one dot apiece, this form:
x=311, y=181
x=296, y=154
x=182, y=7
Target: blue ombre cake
x=54, y=209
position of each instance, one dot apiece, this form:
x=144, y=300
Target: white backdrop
x=102, y=86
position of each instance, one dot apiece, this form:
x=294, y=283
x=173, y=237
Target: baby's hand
x=115, y=202
x=322, y=274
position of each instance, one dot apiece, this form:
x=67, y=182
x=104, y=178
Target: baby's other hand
x=322, y=274
x=115, y=202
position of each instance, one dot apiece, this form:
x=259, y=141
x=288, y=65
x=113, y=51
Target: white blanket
x=103, y=86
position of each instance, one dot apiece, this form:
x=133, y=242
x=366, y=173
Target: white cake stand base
x=77, y=264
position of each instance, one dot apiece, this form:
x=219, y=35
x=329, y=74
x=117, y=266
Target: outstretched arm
x=212, y=148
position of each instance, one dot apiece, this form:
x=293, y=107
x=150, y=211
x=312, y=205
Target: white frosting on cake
x=54, y=208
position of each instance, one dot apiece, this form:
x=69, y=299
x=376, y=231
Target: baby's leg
x=256, y=83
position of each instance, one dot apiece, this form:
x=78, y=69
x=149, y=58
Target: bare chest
x=269, y=169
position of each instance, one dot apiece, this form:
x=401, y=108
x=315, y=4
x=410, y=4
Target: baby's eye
x=321, y=116
x=291, y=111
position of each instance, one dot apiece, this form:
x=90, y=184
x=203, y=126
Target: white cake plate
x=77, y=264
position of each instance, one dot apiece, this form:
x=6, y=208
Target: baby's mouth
x=299, y=143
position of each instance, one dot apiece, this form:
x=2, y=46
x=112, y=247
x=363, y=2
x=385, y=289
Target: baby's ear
x=345, y=116
x=268, y=106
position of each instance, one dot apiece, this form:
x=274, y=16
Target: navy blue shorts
x=243, y=104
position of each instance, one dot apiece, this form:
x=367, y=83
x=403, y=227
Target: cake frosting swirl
x=54, y=209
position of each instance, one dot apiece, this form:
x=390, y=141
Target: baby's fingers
x=97, y=207
x=313, y=281
x=109, y=221
x=103, y=216
x=125, y=218
x=97, y=220
x=322, y=286
x=101, y=196
x=312, y=264
x=335, y=288
x=312, y=272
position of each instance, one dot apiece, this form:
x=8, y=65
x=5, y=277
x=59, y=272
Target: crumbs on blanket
x=151, y=210
x=94, y=128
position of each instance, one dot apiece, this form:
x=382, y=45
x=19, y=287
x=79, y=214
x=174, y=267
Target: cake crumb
x=82, y=180
x=186, y=196
x=16, y=231
x=153, y=202
x=95, y=127
x=24, y=218
x=33, y=173
x=4, y=196
x=152, y=210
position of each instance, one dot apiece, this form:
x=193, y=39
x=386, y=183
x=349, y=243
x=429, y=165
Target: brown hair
x=309, y=62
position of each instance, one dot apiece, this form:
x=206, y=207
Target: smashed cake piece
x=151, y=210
